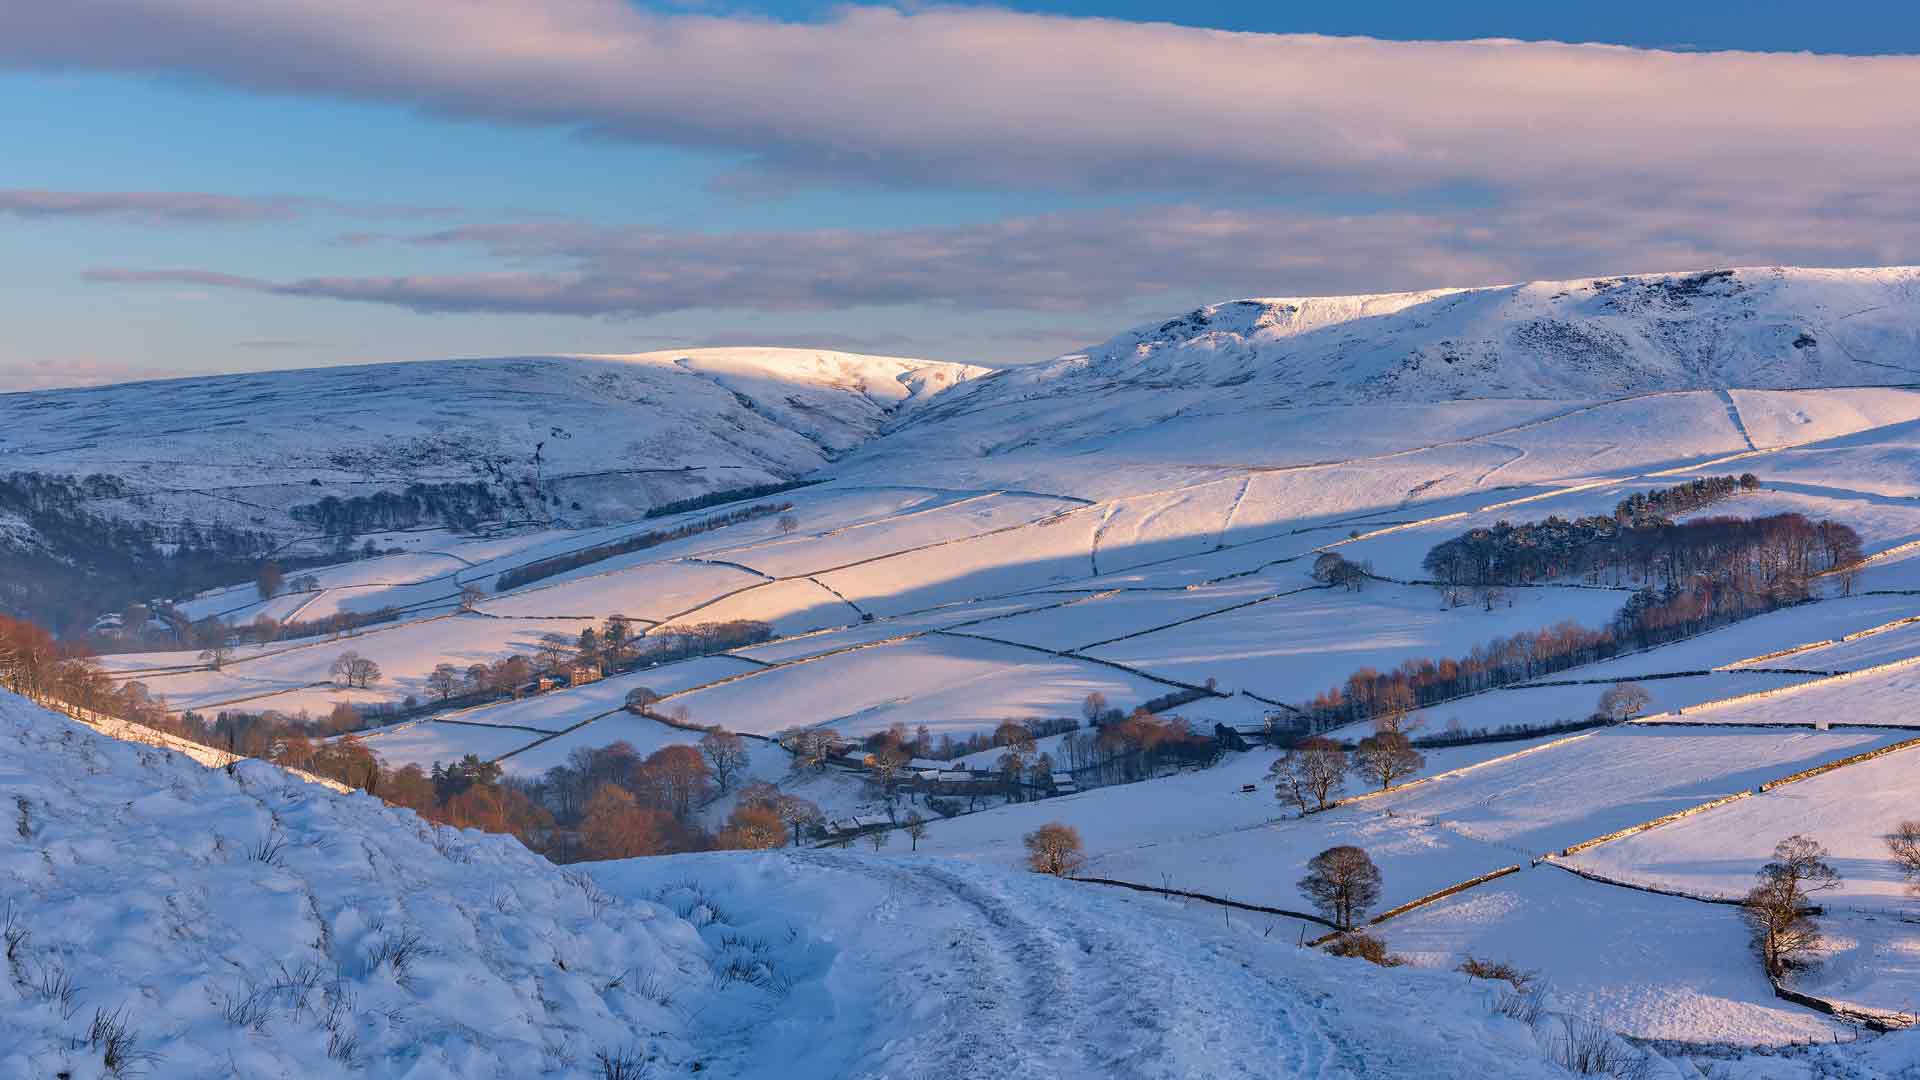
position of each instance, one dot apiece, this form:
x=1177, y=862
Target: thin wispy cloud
x=190, y=207
x=1071, y=262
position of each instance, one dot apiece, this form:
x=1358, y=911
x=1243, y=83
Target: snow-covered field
x=1850, y=810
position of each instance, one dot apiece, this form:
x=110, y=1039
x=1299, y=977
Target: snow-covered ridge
x=1760, y=328
x=571, y=439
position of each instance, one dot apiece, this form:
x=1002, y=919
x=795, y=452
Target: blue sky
x=200, y=186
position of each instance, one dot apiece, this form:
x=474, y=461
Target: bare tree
x=1054, y=848
x=1623, y=701
x=268, y=580
x=1393, y=705
x=797, y=813
x=218, y=639
x=615, y=634
x=1905, y=846
x=355, y=670
x=915, y=827
x=639, y=699
x=878, y=838
x=1333, y=568
x=1310, y=774
x=443, y=681
x=751, y=827
x=788, y=524
x=1094, y=707
x=726, y=754
x=554, y=651
x=1775, y=909
x=1387, y=757
x=470, y=597
x=1343, y=883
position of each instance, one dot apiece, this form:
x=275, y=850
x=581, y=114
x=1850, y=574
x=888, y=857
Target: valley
x=1142, y=526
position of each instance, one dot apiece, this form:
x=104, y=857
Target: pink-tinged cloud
x=146, y=206
x=978, y=97
x=20, y=375
x=188, y=207
x=1072, y=262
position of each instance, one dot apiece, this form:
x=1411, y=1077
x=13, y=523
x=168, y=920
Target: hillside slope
x=1227, y=378
x=237, y=466
x=254, y=925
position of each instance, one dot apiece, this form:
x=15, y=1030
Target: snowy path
x=942, y=970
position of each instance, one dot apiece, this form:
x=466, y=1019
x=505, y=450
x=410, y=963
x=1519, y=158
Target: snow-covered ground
x=249, y=924
x=1851, y=811
x=993, y=551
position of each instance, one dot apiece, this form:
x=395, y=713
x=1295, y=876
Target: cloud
x=988, y=98
x=17, y=376
x=187, y=207
x=148, y=207
x=1073, y=262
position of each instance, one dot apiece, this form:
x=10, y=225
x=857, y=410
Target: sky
x=199, y=186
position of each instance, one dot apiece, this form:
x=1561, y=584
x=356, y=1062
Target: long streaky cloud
x=989, y=98
x=1070, y=262
x=190, y=207
x=147, y=206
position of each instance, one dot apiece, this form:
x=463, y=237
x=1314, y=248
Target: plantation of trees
x=574, y=560
x=1693, y=576
x=1773, y=556
x=457, y=505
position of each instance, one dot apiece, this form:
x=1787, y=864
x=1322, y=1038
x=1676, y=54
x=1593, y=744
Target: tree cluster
x=1769, y=558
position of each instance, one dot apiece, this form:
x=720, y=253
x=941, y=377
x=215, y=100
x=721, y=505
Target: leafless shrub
x=1358, y=943
x=1475, y=967
x=627, y=1064
x=26, y=816
x=1588, y=1049
x=117, y=1043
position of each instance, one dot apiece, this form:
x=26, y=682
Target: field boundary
x=1430, y=898
x=1220, y=900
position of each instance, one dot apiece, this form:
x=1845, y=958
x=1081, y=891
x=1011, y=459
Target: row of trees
x=1372, y=694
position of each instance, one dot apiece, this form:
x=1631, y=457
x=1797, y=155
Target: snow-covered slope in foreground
x=244, y=925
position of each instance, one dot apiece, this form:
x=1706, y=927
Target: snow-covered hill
x=251, y=925
x=1218, y=383
x=574, y=439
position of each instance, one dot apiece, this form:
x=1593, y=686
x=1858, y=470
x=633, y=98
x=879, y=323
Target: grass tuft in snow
x=112, y=1036
x=627, y=1064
